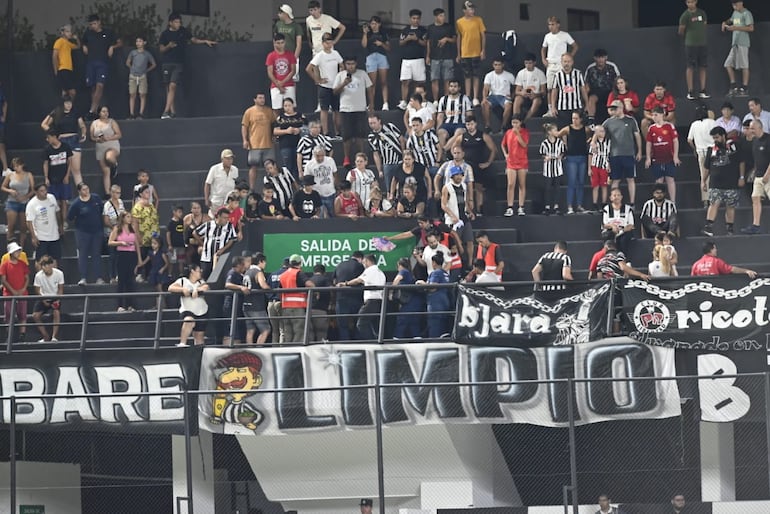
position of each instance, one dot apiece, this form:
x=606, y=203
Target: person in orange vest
x=294, y=304
x=490, y=253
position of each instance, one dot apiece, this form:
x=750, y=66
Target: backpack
x=510, y=51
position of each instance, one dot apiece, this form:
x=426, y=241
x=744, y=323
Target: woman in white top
x=193, y=306
x=699, y=139
x=110, y=214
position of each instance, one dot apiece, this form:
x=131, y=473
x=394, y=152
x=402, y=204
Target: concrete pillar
x=202, y=472
x=717, y=461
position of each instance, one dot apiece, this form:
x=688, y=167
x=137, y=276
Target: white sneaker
x=476, y=102
x=318, y=107
x=139, y=279
x=508, y=212
x=182, y=345
x=54, y=340
x=521, y=211
x=402, y=105
x=121, y=309
x=42, y=340
x=570, y=210
x=385, y=106
x=82, y=282
x=100, y=281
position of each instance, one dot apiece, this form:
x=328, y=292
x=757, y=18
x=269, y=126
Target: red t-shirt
x=281, y=64
x=709, y=265
x=662, y=139
x=595, y=260
x=622, y=97
x=518, y=158
x=235, y=217
x=15, y=273
x=667, y=102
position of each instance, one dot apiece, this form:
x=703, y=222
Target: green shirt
x=291, y=31
x=742, y=19
x=694, y=24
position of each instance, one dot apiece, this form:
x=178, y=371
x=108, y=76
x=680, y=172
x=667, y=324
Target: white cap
x=13, y=246
x=286, y=8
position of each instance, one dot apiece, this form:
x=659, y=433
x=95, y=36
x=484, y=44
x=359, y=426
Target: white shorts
x=413, y=69
x=738, y=58
x=760, y=188
x=550, y=75
x=276, y=97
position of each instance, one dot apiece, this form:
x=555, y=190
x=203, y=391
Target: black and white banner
x=59, y=389
x=268, y=392
x=721, y=314
x=519, y=317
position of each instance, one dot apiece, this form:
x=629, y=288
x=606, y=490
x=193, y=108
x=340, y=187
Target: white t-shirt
x=428, y=253
x=197, y=306
x=42, y=214
x=328, y=65
x=533, y=80
x=700, y=133
x=373, y=276
x=500, y=83
x=556, y=45
x=362, y=183
x=111, y=212
x=353, y=96
x=317, y=27
x=323, y=172
x=425, y=113
x=49, y=284
x=221, y=182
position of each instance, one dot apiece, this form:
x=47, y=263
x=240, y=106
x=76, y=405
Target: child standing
x=514, y=146
x=143, y=179
x=236, y=213
x=175, y=239
x=140, y=62
x=600, y=166
x=159, y=267
x=552, y=149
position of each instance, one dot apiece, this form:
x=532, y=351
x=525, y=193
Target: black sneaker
x=691, y=95
x=730, y=230
x=708, y=230
x=113, y=170
x=742, y=91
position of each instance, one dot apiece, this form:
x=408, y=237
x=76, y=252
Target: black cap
x=308, y=180
x=366, y=502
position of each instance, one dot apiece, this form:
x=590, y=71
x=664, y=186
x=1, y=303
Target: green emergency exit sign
x=31, y=509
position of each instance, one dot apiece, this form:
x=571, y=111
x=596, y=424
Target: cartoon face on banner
x=238, y=375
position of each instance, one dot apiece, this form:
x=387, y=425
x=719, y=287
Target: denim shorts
x=376, y=61
x=11, y=205
x=72, y=141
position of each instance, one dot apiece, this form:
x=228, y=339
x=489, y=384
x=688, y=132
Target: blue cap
x=456, y=170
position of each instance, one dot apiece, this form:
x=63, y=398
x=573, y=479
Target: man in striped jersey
x=309, y=141
x=387, y=146
x=570, y=92
x=215, y=237
x=283, y=182
x=451, y=114
x=659, y=213
x=424, y=144
x=552, y=266
x=241, y=372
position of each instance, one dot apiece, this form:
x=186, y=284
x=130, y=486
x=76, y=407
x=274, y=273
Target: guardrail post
x=767, y=421
x=158, y=321
x=84, y=328
x=572, y=446
x=188, y=451
x=233, y=318
x=380, y=458
x=611, y=306
x=308, y=317
x=12, y=456
x=383, y=313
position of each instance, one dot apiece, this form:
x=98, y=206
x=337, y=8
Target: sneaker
x=732, y=91
x=66, y=226
x=550, y=114
x=521, y=211
x=580, y=210
x=570, y=210
x=751, y=229
x=730, y=230
x=703, y=95
x=131, y=309
x=140, y=116
x=476, y=102
x=547, y=211
x=165, y=116
x=121, y=309
x=690, y=95
x=172, y=114
x=42, y=340
x=54, y=340
x=139, y=279
x=402, y=105
x=557, y=211
x=508, y=212
x=317, y=109
x=113, y=280
x=82, y=282
x=132, y=116
x=90, y=116
x=182, y=345
x=100, y=281
x=742, y=91
x=708, y=230
x=114, y=170
x=385, y=106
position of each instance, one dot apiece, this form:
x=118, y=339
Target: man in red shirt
x=281, y=66
x=658, y=98
x=14, y=275
x=710, y=264
x=663, y=151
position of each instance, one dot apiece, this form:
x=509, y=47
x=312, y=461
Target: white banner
x=292, y=390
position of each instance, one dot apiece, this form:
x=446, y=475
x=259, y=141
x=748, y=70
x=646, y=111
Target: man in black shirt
x=57, y=158
x=409, y=205
x=269, y=208
x=441, y=52
x=724, y=169
x=349, y=299
x=172, y=45
x=413, y=40
x=288, y=127
x=98, y=43
x=255, y=302
x=760, y=150
x=555, y=265
x=320, y=306
x=306, y=203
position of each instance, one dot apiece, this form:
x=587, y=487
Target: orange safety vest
x=456, y=262
x=489, y=258
x=295, y=300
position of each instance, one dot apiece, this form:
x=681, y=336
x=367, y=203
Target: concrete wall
x=55, y=486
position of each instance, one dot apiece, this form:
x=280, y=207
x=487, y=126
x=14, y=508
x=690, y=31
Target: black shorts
x=697, y=56
x=172, y=72
x=2, y=134
x=329, y=100
x=471, y=66
x=485, y=177
x=45, y=306
x=354, y=124
x=200, y=321
x=52, y=248
x=66, y=79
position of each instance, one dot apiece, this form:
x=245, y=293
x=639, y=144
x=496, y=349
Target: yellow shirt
x=65, y=47
x=259, y=126
x=470, y=30
x=147, y=219
x=22, y=257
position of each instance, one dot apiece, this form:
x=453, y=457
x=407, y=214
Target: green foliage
x=23, y=32
x=126, y=19
x=218, y=28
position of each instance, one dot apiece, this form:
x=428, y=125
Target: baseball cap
x=456, y=170
x=226, y=153
x=365, y=502
x=469, y=5
x=285, y=8
x=295, y=259
x=13, y=246
x=616, y=104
